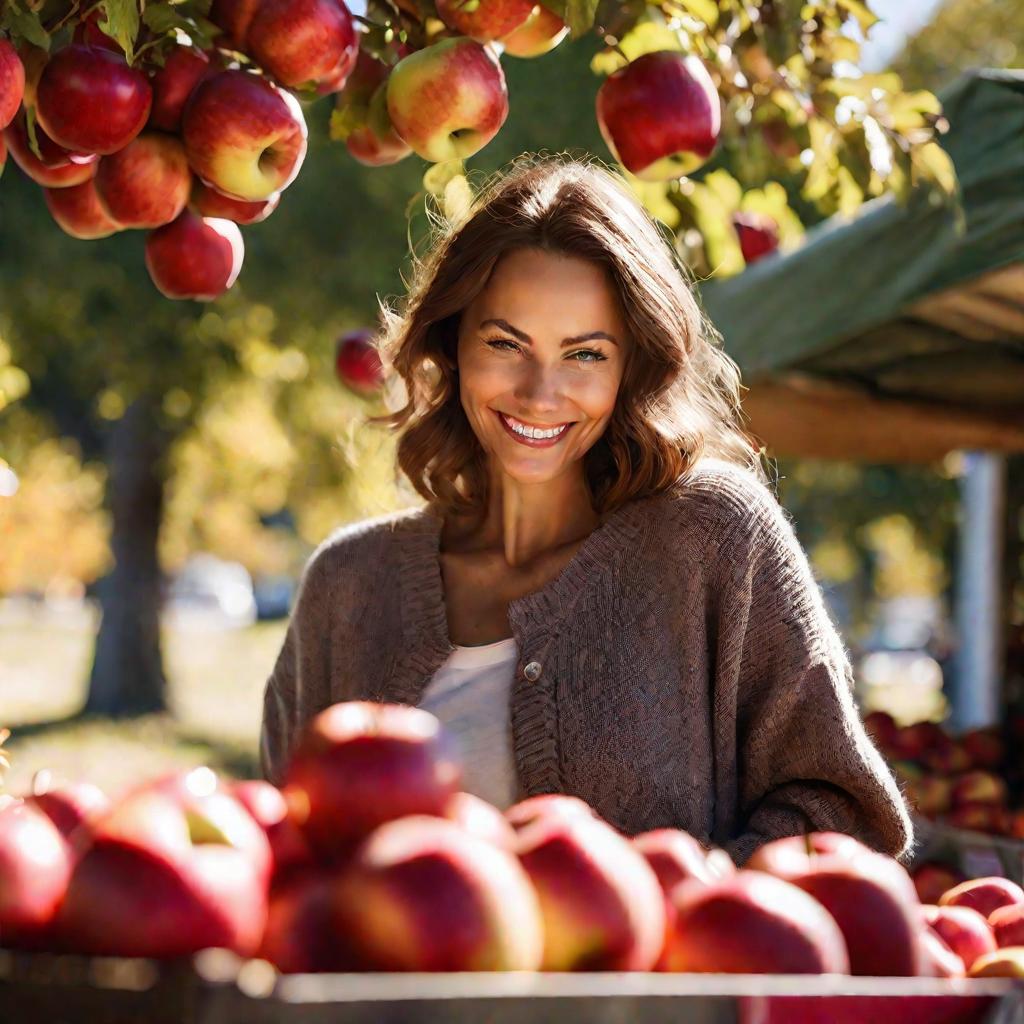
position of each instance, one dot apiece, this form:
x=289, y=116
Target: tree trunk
x=127, y=675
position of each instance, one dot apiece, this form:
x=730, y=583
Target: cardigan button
x=532, y=671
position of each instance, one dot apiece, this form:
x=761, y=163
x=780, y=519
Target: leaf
x=577, y=14
x=645, y=37
x=161, y=19
x=345, y=119
x=937, y=166
x=26, y=25
x=865, y=17
x=703, y=10
x=120, y=21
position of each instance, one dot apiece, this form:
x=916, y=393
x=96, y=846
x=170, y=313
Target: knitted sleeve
x=300, y=681
x=784, y=691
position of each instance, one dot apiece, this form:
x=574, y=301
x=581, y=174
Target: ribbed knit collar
x=536, y=618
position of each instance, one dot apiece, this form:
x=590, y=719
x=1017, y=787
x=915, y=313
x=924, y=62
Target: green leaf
x=577, y=14
x=160, y=19
x=26, y=25
x=120, y=21
x=646, y=37
x=704, y=10
x=345, y=119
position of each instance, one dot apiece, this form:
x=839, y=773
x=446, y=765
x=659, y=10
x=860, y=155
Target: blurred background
x=253, y=450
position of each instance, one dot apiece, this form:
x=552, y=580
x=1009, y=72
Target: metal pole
x=976, y=695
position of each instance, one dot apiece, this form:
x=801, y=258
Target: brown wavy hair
x=679, y=397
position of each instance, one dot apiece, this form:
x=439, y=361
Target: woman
x=601, y=596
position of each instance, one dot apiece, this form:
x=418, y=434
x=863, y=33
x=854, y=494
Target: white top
x=469, y=693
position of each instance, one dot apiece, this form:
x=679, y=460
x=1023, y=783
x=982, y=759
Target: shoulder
x=724, y=502
x=361, y=546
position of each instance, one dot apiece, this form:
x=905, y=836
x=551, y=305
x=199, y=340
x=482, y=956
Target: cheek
x=597, y=394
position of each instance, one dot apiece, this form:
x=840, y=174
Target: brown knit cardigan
x=682, y=670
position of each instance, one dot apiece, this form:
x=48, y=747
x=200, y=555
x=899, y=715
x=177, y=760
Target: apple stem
x=808, y=845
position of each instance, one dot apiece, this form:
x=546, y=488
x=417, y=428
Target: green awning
x=912, y=305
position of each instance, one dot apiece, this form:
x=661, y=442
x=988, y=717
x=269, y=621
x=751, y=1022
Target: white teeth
x=534, y=432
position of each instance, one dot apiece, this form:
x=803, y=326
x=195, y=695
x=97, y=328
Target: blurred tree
x=963, y=34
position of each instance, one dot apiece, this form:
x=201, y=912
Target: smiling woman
x=600, y=595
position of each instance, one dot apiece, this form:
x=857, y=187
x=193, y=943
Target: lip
x=532, y=442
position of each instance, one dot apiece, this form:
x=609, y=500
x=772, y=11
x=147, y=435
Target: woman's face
x=541, y=352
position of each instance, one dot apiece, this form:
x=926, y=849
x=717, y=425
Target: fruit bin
x=976, y=854
x=217, y=988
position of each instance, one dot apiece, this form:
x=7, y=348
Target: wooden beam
x=802, y=416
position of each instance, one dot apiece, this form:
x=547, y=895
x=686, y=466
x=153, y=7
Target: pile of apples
x=189, y=143
x=371, y=858
x=957, y=780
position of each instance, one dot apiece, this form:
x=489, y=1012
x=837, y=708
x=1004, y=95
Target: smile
x=531, y=435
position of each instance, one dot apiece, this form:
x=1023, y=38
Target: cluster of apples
x=957, y=780
x=371, y=857
x=187, y=150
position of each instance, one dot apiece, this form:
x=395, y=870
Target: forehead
x=529, y=286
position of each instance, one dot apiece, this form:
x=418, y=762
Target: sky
x=900, y=18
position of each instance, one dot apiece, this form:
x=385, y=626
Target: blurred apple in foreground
x=195, y=257
x=362, y=763
x=795, y=855
x=448, y=100
x=932, y=879
x=1003, y=963
x=1007, y=924
x=983, y=895
x=269, y=809
x=481, y=819
x=602, y=906
x=35, y=865
x=964, y=930
x=660, y=115
x=70, y=804
x=939, y=960
x=357, y=362
x=753, y=923
x=422, y=894
x=559, y=805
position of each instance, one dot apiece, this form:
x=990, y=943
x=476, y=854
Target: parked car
x=210, y=591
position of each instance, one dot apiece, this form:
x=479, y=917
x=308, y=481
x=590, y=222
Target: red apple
x=56, y=169
x=984, y=747
x=195, y=257
x=1015, y=827
x=35, y=865
x=879, y=918
x=1007, y=924
x=930, y=794
x=184, y=69
x=950, y=759
x=542, y=31
x=302, y=934
x=484, y=20
x=481, y=819
x=376, y=143
x=234, y=17
x=939, y=960
x=983, y=895
x=602, y=905
x=243, y=136
x=422, y=894
x=753, y=923
x=795, y=855
x=89, y=99
x=357, y=362
x=146, y=184
x=448, y=100
x=882, y=728
x=12, y=82
x=660, y=115
x=269, y=809
x=964, y=930
x=70, y=804
x=303, y=42
x=159, y=879
x=758, y=234
x=914, y=740
x=979, y=787
x=1003, y=963
x=362, y=763
x=559, y=805
x=208, y=202
x=932, y=879
x=993, y=819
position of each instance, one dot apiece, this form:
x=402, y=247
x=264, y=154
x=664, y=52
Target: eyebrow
x=526, y=339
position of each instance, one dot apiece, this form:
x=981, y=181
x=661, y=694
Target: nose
x=539, y=390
